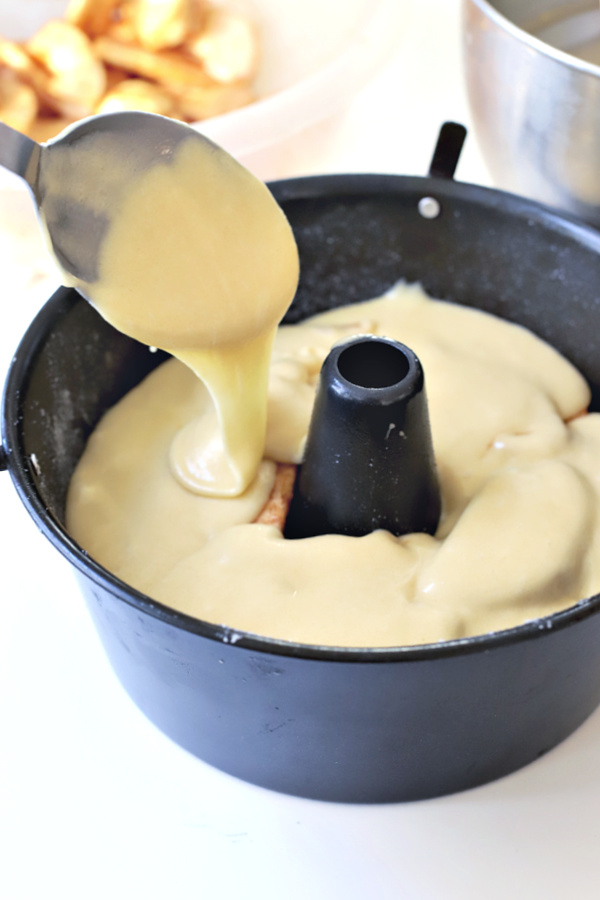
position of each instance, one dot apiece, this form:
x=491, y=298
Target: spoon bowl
x=61, y=172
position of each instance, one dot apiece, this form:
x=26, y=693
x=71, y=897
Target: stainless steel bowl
x=534, y=92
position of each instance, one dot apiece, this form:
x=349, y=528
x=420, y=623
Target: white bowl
x=315, y=56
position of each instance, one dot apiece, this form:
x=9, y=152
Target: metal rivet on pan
x=429, y=207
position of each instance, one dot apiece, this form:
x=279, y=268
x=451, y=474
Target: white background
x=96, y=803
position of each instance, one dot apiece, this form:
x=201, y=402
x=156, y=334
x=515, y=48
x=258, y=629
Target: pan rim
x=22, y=474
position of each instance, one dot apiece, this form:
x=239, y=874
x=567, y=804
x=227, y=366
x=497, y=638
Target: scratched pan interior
x=362, y=724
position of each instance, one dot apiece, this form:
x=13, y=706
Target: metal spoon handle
x=19, y=154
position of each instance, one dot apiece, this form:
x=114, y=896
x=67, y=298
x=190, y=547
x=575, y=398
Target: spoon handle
x=19, y=154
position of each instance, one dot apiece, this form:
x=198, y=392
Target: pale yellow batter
x=199, y=260
x=519, y=535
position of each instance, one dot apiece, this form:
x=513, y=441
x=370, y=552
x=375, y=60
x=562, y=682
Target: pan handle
x=447, y=150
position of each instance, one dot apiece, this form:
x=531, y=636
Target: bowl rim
x=23, y=476
x=488, y=9
x=318, y=95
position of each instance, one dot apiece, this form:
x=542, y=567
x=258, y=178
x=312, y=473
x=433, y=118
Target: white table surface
x=96, y=803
